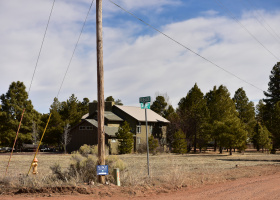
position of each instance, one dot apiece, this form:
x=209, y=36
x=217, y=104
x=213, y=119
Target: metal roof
x=139, y=114
x=85, y=116
x=108, y=130
x=111, y=116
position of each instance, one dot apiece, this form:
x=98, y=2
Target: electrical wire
x=187, y=47
x=31, y=82
x=74, y=50
x=238, y=22
x=261, y=16
x=41, y=48
x=257, y=19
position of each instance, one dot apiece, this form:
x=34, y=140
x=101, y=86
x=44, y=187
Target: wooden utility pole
x=100, y=88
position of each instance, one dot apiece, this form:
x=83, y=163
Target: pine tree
x=179, y=143
x=260, y=111
x=227, y=129
x=270, y=113
x=83, y=106
x=262, y=137
x=110, y=98
x=193, y=108
x=70, y=111
x=275, y=125
x=169, y=111
x=55, y=127
x=117, y=102
x=245, y=109
x=125, y=138
x=13, y=104
x=159, y=105
x=273, y=93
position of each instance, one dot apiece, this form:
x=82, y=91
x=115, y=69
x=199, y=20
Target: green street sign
x=144, y=99
x=146, y=105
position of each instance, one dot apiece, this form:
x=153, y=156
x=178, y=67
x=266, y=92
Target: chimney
x=93, y=106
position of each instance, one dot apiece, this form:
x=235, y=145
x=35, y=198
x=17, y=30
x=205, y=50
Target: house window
x=138, y=129
x=151, y=129
x=85, y=128
x=138, y=140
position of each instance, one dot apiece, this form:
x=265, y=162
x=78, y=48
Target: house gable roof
x=111, y=131
x=111, y=116
x=139, y=114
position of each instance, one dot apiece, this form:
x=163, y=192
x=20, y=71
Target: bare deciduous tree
x=66, y=136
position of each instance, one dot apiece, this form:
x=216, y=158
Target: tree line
x=199, y=120
x=217, y=119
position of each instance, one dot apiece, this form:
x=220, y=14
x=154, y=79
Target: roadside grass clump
x=85, y=150
x=6, y=181
x=169, y=178
x=82, y=168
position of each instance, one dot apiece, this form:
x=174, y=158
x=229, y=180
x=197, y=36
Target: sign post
x=145, y=104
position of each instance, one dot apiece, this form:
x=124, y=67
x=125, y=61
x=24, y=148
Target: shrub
x=125, y=139
x=83, y=166
x=179, y=144
x=153, y=144
x=85, y=150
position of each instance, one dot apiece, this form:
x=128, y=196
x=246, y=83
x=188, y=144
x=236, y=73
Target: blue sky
x=139, y=61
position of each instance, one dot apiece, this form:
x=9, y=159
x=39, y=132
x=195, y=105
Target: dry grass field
x=165, y=169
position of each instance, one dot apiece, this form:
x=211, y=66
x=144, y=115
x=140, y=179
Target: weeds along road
x=257, y=188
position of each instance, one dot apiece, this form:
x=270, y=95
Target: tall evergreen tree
x=159, y=105
x=169, y=111
x=2, y=119
x=195, y=111
x=125, y=138
x=262, y=137
x=13, y=104
x=83, y=106
x=260, y=111
x=273, y=92
x=227, y=129
x=70, y=111
x=245, y=109
x=270, y=116
x=275, y=125
x=55, y=127
x=173, y=127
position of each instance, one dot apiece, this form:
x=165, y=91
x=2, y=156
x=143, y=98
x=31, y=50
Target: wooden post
x=100, y=88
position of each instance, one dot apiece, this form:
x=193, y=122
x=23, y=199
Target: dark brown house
x=86, y=131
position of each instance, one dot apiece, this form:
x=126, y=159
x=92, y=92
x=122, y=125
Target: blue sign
x=102, y=169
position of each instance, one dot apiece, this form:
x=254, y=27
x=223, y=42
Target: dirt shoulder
x=261, y=183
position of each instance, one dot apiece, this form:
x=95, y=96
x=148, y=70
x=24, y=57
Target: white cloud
x=135, y=65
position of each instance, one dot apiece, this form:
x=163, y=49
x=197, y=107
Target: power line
x=238, y=22
x=41, y=48
x=187, y=47
x=74, y=50
x=255, y=16
x=261, y=16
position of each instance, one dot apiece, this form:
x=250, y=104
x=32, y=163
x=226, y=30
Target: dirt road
x=262, y=187
x=267, y=188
